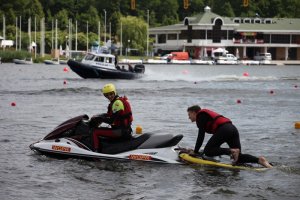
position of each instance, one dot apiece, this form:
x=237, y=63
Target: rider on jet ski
x=118, y=115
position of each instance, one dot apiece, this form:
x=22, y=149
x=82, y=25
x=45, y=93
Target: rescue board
x=196, y=160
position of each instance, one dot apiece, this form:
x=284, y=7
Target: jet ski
x=72, y=138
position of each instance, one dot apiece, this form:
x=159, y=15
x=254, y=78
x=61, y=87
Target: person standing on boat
x=223, y=131
x=118, y=116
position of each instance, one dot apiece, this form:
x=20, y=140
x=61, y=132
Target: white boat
x=180, y=62
x=202, y=62
x=227, y=62
x=63, y=62
x=26, y=61
x=265, y=62
x=250, y=62
x=52, y=62
x=155, y=61
x=131, y=61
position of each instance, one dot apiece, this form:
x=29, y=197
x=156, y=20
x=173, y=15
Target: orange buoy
x=297, y=125
x=138, y=129
x=13, y=104
x=66, y=69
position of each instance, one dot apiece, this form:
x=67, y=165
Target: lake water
x=269, y=108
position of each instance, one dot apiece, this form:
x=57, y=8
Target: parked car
x=263, y=56
x=165, y=57
x=228, y=56
x=227, y=59
x=179, y=56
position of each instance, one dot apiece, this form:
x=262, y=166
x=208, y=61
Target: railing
x=248, y=41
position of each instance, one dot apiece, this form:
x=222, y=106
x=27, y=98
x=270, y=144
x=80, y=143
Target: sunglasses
x=109, y=94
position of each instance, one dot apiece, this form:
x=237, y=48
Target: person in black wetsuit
x=223, y=131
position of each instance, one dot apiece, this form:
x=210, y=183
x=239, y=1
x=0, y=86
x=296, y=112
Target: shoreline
x=272, y=62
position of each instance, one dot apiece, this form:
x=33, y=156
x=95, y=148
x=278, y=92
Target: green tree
x=195, y=7
x=275, y=8
x=91, y=16
x=291, y=8
x=10, y=16
x=227, y=10
x=63, y=19
x=115, y=22
x=134, y=33
x=33, y=8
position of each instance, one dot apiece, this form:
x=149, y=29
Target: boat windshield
x=104, y=59
x=89, y=57
x=99, y=59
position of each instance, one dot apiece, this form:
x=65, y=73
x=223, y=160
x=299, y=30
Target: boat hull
x=22, y=62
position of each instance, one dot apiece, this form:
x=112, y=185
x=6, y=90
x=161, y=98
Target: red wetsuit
x=223, y=131
x=120, y=122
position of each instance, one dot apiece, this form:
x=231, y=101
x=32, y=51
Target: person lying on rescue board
x=118, y=116
x=223, y=131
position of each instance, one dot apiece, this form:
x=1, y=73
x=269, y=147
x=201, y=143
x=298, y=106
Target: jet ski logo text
x=139, y=157
x=61, y=148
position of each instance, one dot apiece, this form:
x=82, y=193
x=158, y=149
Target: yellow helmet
x=109, y=88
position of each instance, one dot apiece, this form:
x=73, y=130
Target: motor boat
x=26, y=61
x=52, y=62
x=72, y=138
x=103, y=65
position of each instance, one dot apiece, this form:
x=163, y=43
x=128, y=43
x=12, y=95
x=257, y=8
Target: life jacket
x=211, y=126
x=125, y=116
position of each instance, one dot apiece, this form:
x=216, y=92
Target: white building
x=202, y=33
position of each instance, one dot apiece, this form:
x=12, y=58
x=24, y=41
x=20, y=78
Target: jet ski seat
x=115, y=146
x=161, y=141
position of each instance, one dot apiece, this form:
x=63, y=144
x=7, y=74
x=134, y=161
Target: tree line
x=113, y=12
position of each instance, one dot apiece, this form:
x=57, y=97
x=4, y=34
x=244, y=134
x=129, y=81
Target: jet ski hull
x=67, y=148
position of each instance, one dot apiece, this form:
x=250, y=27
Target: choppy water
x=159, y=101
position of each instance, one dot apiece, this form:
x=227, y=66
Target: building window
x=230, y=34
x=162, y=38
x=186, y=22
x=197, y=34
x=237, y=20
x=247, y=20
x=280, y=39
x=183, y=35
x=266, y=38
x=295, y=39
x=172, y=36
x=209, y=34
x=224, y=34
x=257, y=21
x=268, y=21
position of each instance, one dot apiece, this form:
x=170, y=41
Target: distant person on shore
x=223, y=131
